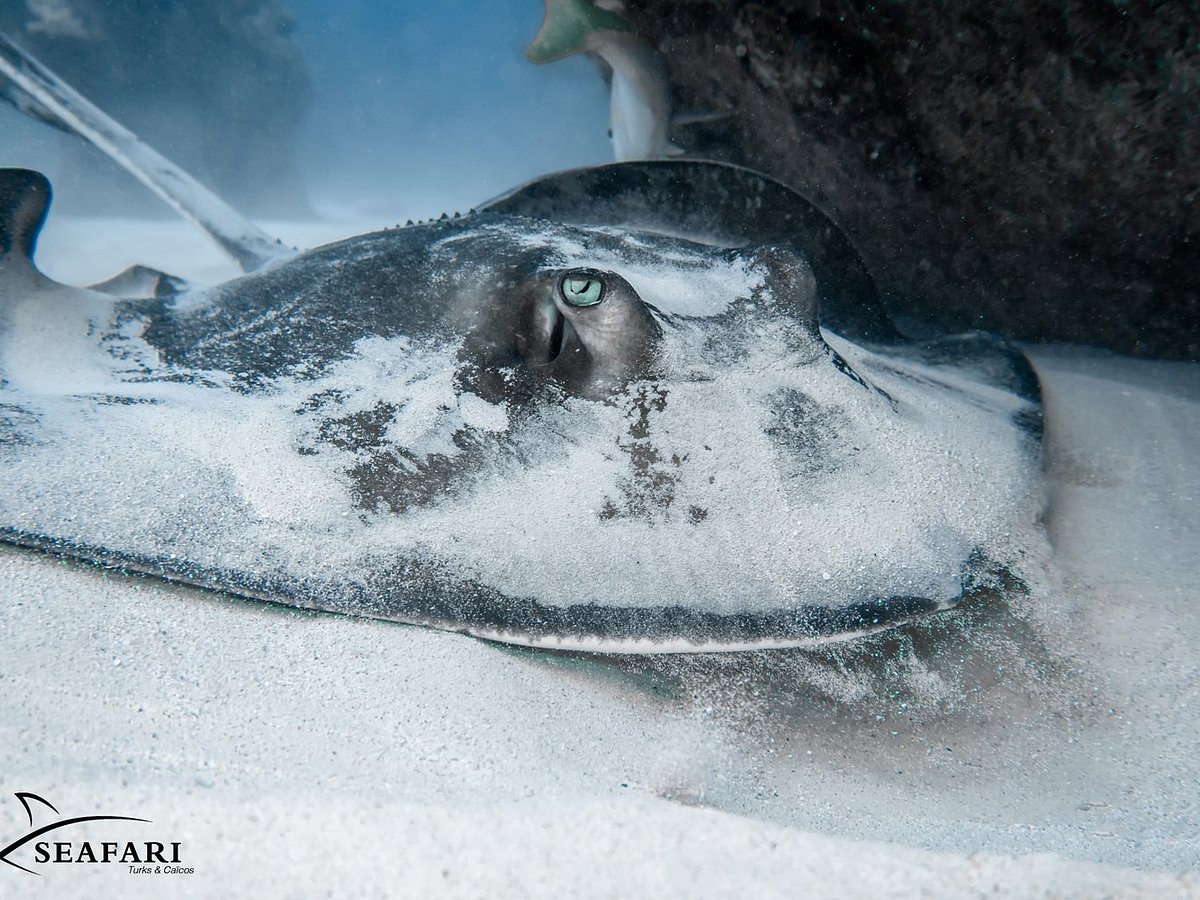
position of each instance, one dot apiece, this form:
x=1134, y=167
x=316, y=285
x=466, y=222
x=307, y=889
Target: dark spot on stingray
x=319, y=400
x=114, y=400
x=362, y=430
x=648, y=490
x=806, y=432
x=16, y=423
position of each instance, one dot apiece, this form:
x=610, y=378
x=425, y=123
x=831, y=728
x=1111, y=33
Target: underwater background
x=393, y=109
x=1026, y=167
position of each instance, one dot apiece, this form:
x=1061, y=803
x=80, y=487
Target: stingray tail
x=249, y=246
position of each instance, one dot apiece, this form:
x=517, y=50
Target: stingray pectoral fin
x=566, y=27
x=24, y=202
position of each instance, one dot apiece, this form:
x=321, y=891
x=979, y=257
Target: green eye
x=581, y=290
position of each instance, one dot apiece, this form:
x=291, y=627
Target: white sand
x=1027, y=750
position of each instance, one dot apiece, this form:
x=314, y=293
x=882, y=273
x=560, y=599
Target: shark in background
x=642, y=115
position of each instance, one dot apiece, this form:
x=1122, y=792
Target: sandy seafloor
x=1045, y=747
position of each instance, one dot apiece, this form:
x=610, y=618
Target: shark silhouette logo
x=34, y=833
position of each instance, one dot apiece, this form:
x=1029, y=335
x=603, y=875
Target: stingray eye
x=581, y=289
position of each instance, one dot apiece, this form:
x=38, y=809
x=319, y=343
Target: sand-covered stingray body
x=539, y=423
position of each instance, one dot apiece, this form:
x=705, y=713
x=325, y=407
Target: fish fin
x=686, y=117
x=566, y=27
x=24, y=202
x=140, y=283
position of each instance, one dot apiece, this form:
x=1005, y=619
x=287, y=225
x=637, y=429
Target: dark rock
x=1030, y=167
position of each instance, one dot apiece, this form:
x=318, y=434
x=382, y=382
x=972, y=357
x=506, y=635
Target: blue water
x=417, y=103
x=416, y=108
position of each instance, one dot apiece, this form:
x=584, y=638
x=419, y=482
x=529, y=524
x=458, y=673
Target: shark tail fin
x=566, y=27
x=24, y=201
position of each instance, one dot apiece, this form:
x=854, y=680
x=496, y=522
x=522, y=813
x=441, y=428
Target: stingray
x=634, y=408
x=643, y=407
